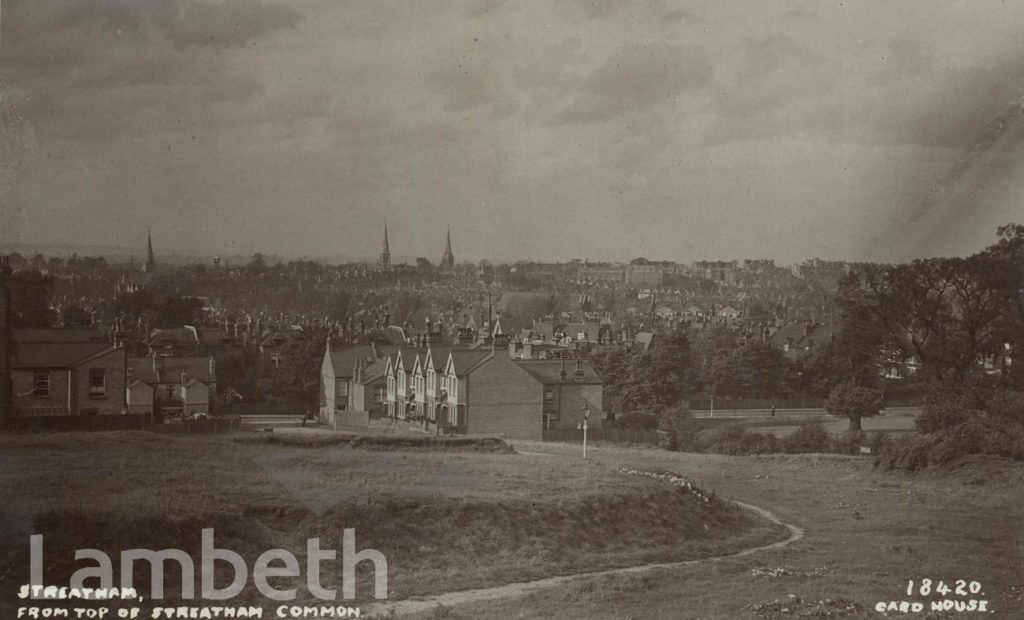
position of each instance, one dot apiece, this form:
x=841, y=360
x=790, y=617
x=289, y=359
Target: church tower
x=150, y=265
x=448, y=259
x=385, y=253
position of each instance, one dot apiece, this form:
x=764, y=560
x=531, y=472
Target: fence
x=743, y=404
x=116, y=422
x=747, y=404
x=275, y=408
x=216, y=424
x=618, y=435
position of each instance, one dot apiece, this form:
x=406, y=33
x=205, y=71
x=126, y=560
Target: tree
x=298, y=376
x=30, y=299
x=74, y=315
x=854, y=403
x=659, y=377
x=755, y=369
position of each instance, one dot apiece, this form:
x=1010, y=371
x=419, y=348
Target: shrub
x=735, y=440
x=982, y=434
x=808, y=438
x=643, y=421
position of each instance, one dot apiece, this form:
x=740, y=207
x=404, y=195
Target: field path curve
x=449, y=599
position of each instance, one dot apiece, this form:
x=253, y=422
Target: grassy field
x=447, y=515
x=456, y=517
x=867, y=533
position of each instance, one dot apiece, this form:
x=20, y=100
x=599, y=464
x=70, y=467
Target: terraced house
x=475, y=391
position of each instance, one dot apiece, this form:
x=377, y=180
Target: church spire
x=448, y=259
x=385, y=253
x=150, y=260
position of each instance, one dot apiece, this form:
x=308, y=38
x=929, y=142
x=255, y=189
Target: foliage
x=31, y=292
x=994, y=436
x=657, y=377
x=809, y=438
x=854, y=403
x=298, y=376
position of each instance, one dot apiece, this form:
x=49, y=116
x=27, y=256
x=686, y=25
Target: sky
x=590, y=129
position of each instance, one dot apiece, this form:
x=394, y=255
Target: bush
x=808, y=438
x=735, y=440
x=675, y=427
x=642, y=421
x=983, y=434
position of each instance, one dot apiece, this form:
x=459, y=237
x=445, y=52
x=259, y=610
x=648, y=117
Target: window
x=41, y=383
x=379, y=395
x=169, y=389
x=275, y=360
x=97, y=383
x=549, y=395
x=343, y=388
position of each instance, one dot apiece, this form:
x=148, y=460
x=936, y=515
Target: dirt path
x=449, y=599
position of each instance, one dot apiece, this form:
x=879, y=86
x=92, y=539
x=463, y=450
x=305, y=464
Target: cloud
x=94, y=70
x=468, y=83
x=904, y=60
x=636, y=76
x=774, y=70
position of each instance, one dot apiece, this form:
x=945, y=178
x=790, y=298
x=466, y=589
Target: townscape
x=297, y=337
x=491, y=309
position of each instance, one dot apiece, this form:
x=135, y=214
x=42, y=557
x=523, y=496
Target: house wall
x=25, y=404
x=112, y=400
x=502, y=399
x=327, y=391
x=571, y=398
x=197, y=398
x=140, y=398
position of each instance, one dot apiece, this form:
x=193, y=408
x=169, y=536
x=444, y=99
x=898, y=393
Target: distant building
x=174, y=385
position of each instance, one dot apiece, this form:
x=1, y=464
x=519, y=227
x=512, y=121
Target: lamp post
x=586, y=418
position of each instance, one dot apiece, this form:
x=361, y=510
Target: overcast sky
x=548, y=130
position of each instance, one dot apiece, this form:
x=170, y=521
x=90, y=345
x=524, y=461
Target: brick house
x=568, y=388
x=336, y=378
x=65, y=372
x=475, y=391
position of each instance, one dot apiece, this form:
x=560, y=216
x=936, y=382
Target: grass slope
x=867, y=533
x=444, y=519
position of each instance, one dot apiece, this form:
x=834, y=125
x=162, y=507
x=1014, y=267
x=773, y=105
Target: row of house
x=86, y=371
x=457, y=389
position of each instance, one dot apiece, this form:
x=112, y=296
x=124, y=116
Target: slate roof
x=55, y=354
x=549, y=371
x=170, y=369
x=343, y=358
x=59, y=335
